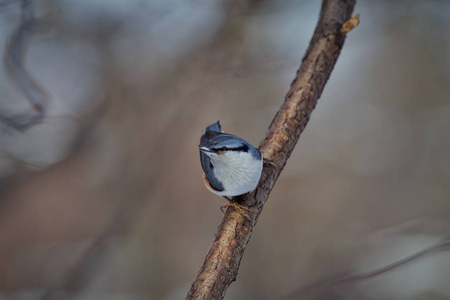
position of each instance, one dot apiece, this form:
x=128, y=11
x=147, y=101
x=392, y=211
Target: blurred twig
x=315, y=290
x=14, y=62
x=222, y=262
x=6, y=3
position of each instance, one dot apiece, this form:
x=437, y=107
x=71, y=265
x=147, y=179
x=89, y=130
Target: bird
x=231, y=165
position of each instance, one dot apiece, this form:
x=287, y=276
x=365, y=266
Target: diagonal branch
x=314, y=290
x=222, y=262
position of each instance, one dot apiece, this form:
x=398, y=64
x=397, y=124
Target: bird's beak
x=207, y=151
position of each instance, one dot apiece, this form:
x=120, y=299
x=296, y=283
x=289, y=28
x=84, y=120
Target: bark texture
x=222, y=262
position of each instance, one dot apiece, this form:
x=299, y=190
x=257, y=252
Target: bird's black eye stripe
x=243, y=148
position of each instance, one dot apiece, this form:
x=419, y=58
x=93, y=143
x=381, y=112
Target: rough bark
x=222, y=262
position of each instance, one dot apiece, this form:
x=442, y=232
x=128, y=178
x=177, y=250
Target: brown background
x=104, y=200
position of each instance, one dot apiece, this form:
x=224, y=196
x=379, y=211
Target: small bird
x=232, y=166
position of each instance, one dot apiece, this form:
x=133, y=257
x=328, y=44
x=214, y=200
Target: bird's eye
x=221, y=149
x=243, y=148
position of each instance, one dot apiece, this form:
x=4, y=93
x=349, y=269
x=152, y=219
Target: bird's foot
x=239, y=208
x=269, y=162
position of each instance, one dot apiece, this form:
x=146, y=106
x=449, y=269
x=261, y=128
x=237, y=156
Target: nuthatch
x=232, y=166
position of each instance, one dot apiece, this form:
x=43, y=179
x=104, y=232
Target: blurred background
x=104, y=199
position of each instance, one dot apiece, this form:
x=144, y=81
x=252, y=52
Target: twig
x=14, y=57
x=222, y=262
x=7, y=3
x=315, y=289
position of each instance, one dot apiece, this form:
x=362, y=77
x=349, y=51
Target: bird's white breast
x=239, y=172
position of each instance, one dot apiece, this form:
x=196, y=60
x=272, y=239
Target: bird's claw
x=239, y=208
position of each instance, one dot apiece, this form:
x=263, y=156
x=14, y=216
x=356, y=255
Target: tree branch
x=222, y=262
